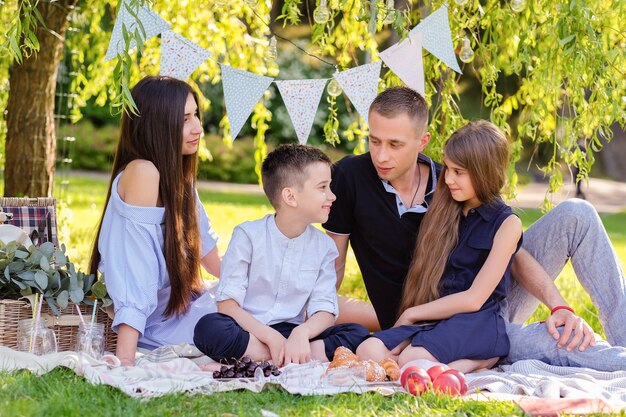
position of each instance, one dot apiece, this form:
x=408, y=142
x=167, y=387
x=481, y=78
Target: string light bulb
x=461, y=2
x=467, y=54
x=271, y=52
x=390, y=17
x=518, y=5
x=321, y=13
x=334, y=89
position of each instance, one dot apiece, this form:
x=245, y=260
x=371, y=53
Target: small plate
x=10, y=233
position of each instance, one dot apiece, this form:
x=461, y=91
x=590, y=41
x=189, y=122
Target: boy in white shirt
x=276, y=297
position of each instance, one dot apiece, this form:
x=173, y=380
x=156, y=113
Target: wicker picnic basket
x=65, y=326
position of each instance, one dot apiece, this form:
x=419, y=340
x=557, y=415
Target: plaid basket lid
x=36, y=216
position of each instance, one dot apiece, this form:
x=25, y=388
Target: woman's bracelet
x=557, y=308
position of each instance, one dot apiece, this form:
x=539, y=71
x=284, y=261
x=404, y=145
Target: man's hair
x=286, y=166
x=397, y=100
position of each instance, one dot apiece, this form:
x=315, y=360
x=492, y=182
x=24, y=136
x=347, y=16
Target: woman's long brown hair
x=481, y=148
x=156, y=135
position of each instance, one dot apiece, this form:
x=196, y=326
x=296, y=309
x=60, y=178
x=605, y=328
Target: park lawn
x=62, y=393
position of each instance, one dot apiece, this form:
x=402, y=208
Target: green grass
x=62, y=393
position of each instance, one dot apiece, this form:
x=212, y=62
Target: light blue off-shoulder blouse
x=133, y=263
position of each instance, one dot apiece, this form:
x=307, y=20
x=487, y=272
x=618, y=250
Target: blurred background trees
x=550, y=74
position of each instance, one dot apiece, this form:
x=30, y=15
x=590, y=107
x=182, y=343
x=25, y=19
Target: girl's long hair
x=481, y=148
x=156, y=135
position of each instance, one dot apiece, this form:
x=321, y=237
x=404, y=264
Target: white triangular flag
x=437, y=38
x=152, y=25
x=179, y=56
x=242, y=91
x=302, y=97
x=361, y=86
x=405, y=60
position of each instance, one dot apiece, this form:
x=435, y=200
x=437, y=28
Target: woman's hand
x=127, y=338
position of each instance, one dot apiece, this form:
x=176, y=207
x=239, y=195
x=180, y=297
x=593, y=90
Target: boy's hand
x=298, y=347
x=276, y=344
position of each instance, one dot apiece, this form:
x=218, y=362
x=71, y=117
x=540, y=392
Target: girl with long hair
x=154, y=233
x=450, y=309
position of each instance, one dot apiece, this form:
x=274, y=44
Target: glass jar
x=90, y=339
x=33, y=336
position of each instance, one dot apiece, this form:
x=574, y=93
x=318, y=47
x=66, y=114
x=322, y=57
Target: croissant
x=374, y=372
x=342, y=353
x=391, y=369
x=344, y=358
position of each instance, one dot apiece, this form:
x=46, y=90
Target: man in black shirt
x=381, y=199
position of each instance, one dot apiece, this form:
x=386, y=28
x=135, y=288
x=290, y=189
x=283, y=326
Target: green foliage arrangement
x=48, y=271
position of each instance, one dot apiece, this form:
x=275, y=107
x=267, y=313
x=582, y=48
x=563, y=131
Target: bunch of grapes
x=245, y=368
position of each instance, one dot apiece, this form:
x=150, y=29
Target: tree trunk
x=31, y=140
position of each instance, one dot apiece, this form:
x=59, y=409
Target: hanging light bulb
x=518, y=5
x=461, y=2
x=321, y=13
x=391, y=12
x=271, y=52
x=467, y=54
x=334, y=89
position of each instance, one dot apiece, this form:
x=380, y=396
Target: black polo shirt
x=382, y=240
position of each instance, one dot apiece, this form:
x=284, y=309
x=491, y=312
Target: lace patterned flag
x=437, y=38
x=152, y=25
x=242, y=91
x=405, y=60
x=361, y=86
x=179, y=56
x=302, y=97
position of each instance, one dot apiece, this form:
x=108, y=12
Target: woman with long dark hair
x=154, y=233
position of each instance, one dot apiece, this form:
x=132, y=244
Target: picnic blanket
x=177, y=368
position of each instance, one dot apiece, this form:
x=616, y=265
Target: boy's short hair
x=286, y=166
x=397, y=100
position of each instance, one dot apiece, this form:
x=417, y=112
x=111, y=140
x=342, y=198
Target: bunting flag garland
x=152, y=23
x=405, y=60
x=361, y=86
x=242, y=91
x=301, y=98
x=437, y=38
x=179, y=56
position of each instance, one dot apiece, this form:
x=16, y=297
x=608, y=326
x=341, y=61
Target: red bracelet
x=557, y=308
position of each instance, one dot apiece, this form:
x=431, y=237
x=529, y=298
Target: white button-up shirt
x=278, y=279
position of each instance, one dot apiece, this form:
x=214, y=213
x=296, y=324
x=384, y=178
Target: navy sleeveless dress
x=477, y=335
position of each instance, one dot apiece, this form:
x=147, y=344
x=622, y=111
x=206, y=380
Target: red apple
x=417, y=382
x=410, y=370
x=461, y=376
x=447, y=384
x=436, y=370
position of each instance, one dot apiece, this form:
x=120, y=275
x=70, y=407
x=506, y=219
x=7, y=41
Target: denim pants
x=571, y=231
